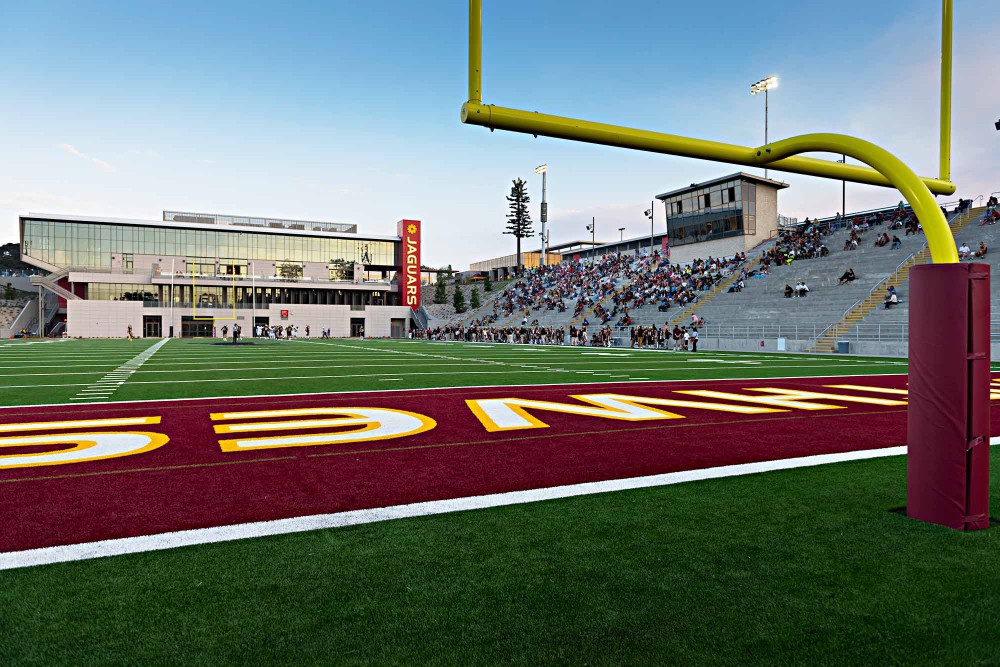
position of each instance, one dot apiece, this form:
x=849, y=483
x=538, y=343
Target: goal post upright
x=945, y=483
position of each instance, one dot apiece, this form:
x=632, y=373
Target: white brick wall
x=103, y=319
x=110, y=319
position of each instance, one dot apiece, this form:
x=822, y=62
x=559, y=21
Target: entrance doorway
x=357, y=327
x=152, y=326
x=192, y=328
x=261, y=322
x=397, y=327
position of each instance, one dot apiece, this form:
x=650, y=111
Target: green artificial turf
x=57, y=372
x=805, y=566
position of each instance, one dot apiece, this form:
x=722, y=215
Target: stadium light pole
x=590, y=228
x=763, y=86
x=543, y=170
x=650, y=215
x=843, y=192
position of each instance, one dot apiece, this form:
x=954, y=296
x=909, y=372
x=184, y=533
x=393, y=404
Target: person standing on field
x=694, y=339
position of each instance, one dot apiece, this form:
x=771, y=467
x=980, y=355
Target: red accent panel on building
x=949, y=412
x=409, y=262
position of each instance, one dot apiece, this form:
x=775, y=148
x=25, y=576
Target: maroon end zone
x=190, y=482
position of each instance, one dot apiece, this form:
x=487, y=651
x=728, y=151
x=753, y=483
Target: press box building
x=190, y=274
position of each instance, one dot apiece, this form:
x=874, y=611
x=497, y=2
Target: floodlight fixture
x=764, y=85
x=541, y=169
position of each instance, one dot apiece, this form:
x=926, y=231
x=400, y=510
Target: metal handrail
x=882, y=283
x=880, y=332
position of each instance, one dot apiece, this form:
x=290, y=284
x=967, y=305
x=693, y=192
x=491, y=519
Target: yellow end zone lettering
x=511, y=414
x=81, y=447
x=369, y=424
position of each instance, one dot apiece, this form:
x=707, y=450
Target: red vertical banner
x=665, y=246
x=409, y=262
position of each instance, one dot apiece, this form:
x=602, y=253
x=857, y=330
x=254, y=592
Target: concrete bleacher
x=972, y=234
x=763, y=300
x=762, y=303
x=9, y=310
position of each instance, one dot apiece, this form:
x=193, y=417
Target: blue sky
x=348, y=111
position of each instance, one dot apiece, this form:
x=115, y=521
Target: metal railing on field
x=887, y=332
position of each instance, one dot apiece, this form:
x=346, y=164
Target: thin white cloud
x=144, y=152
x=73, y=150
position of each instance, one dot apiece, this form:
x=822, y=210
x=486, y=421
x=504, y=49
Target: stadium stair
x=761, y=308
x=971, y=233
x=590, y=310
x=722, y=287
x=827, y=341
x=51, y=283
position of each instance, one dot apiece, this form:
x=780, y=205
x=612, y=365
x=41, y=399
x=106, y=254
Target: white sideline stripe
x=129, y=545
x=418, y=389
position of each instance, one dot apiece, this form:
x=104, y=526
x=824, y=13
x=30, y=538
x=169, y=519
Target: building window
x=708, y=200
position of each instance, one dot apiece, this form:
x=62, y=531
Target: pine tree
x=487, y=284
x=440, y=293
x=474, y=299
x=519, y=218
x=459, y=300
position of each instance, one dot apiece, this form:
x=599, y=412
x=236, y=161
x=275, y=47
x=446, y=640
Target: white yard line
x=107, y=385
x=444, y=363
x=130, y=545
x=508, y=371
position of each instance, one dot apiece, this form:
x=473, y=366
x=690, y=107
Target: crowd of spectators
x=476, y=333
x=992, y=214
x=611, y=286
x=549, y=288
x=665, y=285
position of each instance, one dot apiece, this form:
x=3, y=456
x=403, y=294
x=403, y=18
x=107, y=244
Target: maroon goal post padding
x=949, y=396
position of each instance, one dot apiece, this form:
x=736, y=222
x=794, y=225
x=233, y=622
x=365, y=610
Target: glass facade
x=218, y=219
x=90, y=245
x=716, y=211
x=212, y=296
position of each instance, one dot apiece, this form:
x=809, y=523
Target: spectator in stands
x=982, y=250
x=993, y=202
x=788, y=291
x=891, y=299
x=896, y=243
x=964, y=250
x=847, y=277
x=801, y=289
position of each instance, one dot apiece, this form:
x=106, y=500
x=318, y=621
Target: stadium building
x=716, y=218
x=190, y=274
x=721, y=217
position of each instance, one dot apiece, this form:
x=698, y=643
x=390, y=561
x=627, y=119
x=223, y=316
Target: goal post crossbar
x=884, y=168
